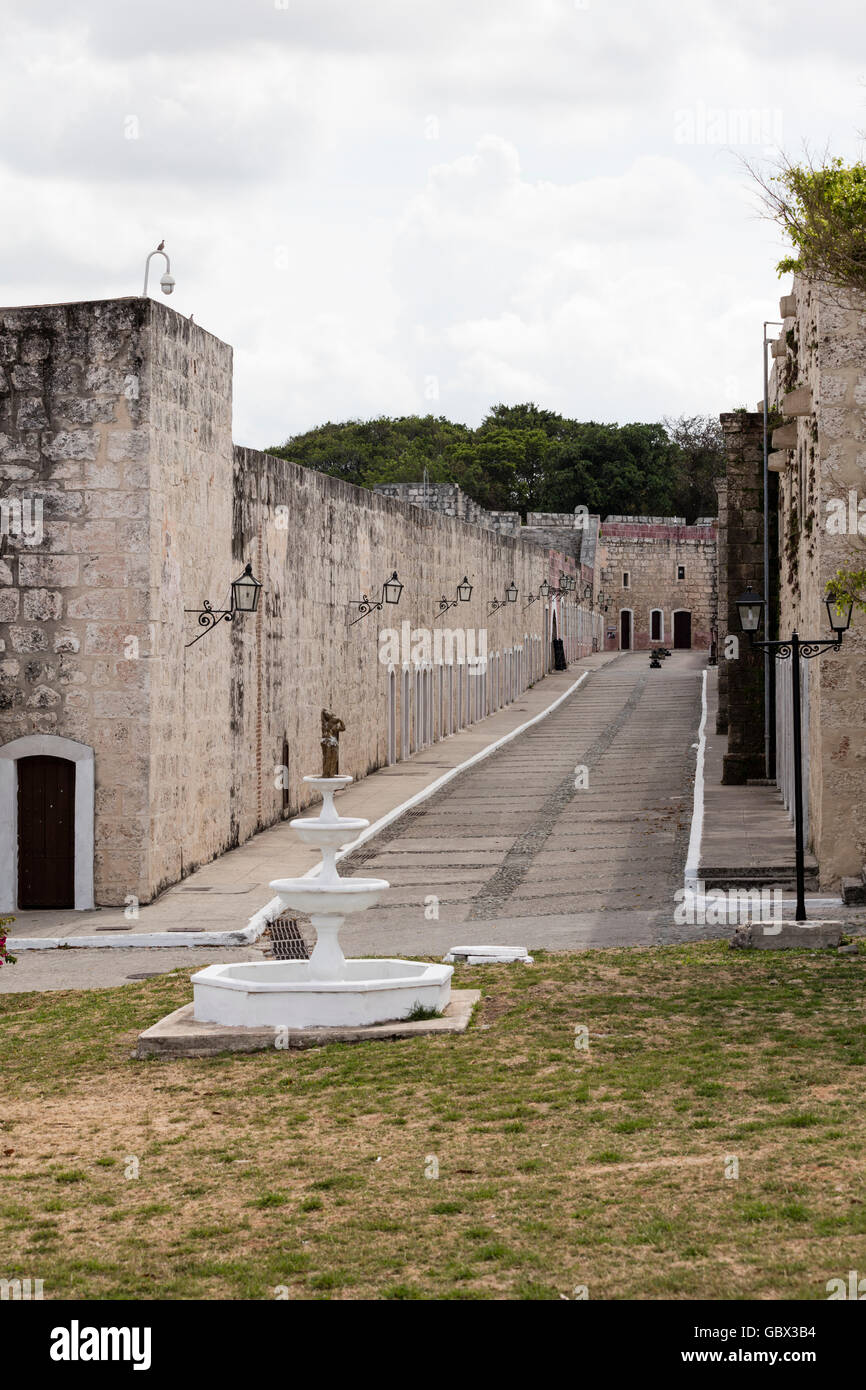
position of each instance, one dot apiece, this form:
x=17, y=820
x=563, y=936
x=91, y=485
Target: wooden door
x=625, y=630
x=46, y=832
x=682, y=629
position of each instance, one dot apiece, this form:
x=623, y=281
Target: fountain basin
x=330, y=834
x=287, y=994
x=331, y=897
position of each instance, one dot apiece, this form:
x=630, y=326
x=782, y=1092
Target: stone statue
x=332, y=727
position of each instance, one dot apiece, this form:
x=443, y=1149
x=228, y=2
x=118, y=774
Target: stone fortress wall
x=818, y=382
x=115, y=418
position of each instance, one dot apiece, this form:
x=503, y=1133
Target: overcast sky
x=395, y=206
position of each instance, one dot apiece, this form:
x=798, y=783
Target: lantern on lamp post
x=750, y=607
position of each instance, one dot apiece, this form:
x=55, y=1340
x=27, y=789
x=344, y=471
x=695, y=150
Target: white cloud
x=555, y=239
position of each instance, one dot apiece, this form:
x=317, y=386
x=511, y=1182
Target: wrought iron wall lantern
x=464, y=594
x=391, y=591
x=245, y=599
x=510, y=597
x=567, y=585
x=587, y=592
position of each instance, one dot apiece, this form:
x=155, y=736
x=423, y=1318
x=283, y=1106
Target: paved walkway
x=748, y=833
x=573, y=834
x=518, y=851
x=224, y=895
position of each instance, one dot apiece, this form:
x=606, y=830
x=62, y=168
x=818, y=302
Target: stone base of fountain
x=326, y=991
x=181, y=1034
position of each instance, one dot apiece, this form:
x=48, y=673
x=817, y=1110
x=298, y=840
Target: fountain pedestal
x=327, y=990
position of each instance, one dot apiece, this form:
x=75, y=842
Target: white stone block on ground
x=488, y=955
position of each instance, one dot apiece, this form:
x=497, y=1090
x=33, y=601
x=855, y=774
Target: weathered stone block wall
x=190, y=504
x=722, y=603
x=741, y=561
x=450, y=500
x=74, y=423
x=650, y=552
x=321, y=543
x=819, y=384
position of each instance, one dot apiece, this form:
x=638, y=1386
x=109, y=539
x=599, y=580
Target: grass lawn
x=557, y=1166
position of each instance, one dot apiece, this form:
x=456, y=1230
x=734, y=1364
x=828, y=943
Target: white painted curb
x=245, y=936
x=693, y=858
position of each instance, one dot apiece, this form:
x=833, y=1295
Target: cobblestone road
x=528, y=849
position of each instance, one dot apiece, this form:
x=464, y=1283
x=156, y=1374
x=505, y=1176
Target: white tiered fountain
x=327, y=990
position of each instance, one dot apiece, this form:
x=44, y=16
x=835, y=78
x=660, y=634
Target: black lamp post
x=750, y=607
x=245, y=599
x=391, y=591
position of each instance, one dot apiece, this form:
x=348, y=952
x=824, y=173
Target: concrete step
x=854, y=889
x=767, y=876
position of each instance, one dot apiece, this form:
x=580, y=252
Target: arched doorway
x=682, y=628
x=625, y=634
x=46, y=823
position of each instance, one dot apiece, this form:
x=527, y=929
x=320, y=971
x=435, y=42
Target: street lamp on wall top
x=750, y=608
x=167, y=280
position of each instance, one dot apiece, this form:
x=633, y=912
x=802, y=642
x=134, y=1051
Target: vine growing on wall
x=848, y=586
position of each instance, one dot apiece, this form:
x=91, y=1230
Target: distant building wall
x=652, y=551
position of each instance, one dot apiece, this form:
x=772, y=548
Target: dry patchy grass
x=557, y=1166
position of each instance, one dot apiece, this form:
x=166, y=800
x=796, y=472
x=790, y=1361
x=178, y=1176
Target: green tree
x=523, y=458
x=700, y=461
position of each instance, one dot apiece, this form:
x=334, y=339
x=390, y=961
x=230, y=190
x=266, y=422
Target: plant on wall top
x=822, y=210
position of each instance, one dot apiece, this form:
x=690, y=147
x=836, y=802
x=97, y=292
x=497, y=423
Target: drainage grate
x=287, y=939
